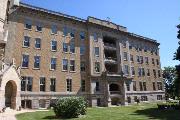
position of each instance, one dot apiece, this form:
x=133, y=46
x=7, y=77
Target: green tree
x=177, y=57
x=169, y=74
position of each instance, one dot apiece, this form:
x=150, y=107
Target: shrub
x=70, y=107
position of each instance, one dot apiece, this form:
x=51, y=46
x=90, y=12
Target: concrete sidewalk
x=10, y=114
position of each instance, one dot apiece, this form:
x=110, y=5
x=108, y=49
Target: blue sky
x=156, y=19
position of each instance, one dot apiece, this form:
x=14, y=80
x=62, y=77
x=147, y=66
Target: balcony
x=109, y=46
x=115, y=92
x=110, y=60
x=113, y=74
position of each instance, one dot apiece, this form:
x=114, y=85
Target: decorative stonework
x=10, y=77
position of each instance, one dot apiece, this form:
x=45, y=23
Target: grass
x=135, y=112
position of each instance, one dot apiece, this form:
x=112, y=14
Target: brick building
x=59, y=55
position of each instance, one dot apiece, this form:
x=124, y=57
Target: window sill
x=72, y=71
x=65, y=52
x=38, y=31
x=37, y=48
x=82, y=39
x=97, y=72
x=24, y=67
x=54, y=34
x=28, y=29
x=64, y=70
x=52, y=69
x=25, y=47
x=53, y=50
x=36, y=68
x=73, y=53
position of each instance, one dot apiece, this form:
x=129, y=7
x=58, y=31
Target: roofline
x=51, y=12
x=107, y=21
x=83, y=20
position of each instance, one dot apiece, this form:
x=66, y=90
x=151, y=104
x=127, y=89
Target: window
x=83, y=85
x=141, y=59
x=53, y=63
x=72, y=34
x=143, y=71
x=126, y=69
x=134, y=86
x=152, y=52
x=154, y=72
x=139, y=72
x=65, y=47
x=37, y=43
x=157, y=61
x=125, y=56
x=95, y=37
x=82, y=35
x=145, y=49
x=144, y=98
x=72, y=65
x=154, y=86
x=97, y=67
x=53, y=45
x=72, y=46
x=130, y=47
x=36, y=62
x=159, y=85
x=141, y=86
x=54, y=29
x=53, y=84
x=28, y=24
x=42, y=84
x=153, y=61
x=131, y=58
x=156, y=52
x=23, y=84
x=159, y=97
x=148, y=72
x=26, y=42
x=25, y=61
x=144, y=86
x=83, y=66
x=65, y=64
x=39, y=27
x=132, y=71
x=65, y=31
x=138, y=59
x=96, y=49
x=124, y=45
x=26, y=83
x=97, y=87
x=159, y=73
x=69, y=85
x=82, y=49
x=128, y=86
x=146, y=60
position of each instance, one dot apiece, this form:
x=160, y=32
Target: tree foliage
x=177, y=57
x=169, y=74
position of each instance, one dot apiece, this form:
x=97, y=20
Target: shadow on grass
x=50, y=117
x=154, y=113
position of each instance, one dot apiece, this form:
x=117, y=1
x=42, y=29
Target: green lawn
x=135, y=112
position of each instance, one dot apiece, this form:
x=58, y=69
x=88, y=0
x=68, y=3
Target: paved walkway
x=10, y=114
